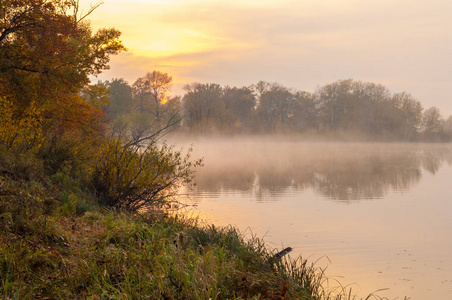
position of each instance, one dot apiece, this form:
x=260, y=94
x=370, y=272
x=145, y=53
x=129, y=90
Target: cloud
x=404, y=44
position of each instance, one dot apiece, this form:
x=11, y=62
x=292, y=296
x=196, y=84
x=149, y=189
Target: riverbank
x=57, y=242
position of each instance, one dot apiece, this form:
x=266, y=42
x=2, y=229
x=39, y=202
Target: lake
x=376, y=215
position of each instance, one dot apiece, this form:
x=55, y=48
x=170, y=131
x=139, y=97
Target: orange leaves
x=45, y=52
x=72, y=114
x=46, y=56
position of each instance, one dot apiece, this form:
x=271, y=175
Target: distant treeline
x=345, y=106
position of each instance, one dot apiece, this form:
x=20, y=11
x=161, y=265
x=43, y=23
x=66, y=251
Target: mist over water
x=378, y=211
x=338, y=171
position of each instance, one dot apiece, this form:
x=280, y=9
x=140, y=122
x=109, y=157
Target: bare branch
x=90, y=11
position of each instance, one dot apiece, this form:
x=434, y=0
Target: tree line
x=344, y=106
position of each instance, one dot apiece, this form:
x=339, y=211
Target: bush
x=136, y=172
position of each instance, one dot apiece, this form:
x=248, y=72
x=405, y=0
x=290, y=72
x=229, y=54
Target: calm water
x=378, y=216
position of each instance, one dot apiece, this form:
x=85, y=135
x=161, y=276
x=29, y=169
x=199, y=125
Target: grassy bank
x=56, y=242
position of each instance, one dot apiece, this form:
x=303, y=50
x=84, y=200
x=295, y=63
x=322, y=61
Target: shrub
x=137, y=172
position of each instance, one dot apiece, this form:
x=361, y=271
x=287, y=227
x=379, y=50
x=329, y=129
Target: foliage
x=238, y=116
x=120, y=98
x=150, y=92
x=138, y=172
x=345, y=106
x=24, y=132
x=275, y=103
x=52, y=115
x=96, y=95
x=365, y=109
x=47, y=52
x=433, y=125
x=202, y=106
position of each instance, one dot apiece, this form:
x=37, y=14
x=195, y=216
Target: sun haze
x=404, y=45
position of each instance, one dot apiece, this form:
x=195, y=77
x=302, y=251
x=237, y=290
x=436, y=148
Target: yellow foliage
x=24, y=129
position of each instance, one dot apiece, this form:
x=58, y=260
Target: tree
x=151, y=91
x=96, y=95
x=240, y=106
x=275, y=105
x=304, y=112
x=121, y=98
x=369, y=108
x=47, y=53
x=335, y=102
x=203, y=106
x=432, y=122
x=448, y=125
x=46, y=48
x=407, y=115
x=366, y=111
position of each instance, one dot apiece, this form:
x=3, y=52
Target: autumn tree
x=151, y=92
x=47, y=53
x=47, y=49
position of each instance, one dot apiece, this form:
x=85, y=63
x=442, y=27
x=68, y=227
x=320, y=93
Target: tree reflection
x=345, y=172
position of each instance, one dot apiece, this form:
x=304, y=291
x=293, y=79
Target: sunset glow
x=405, y=45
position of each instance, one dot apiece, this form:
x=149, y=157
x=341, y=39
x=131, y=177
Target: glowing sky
x=402, y=44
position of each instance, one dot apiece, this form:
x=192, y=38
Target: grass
x=57, y=243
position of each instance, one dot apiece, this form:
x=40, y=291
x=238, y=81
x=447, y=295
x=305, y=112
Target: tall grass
x=62, y=245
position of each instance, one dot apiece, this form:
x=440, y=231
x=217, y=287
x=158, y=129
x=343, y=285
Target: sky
x=406, y=45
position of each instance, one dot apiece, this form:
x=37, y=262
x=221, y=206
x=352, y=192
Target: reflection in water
x=276, y=190
x=344, y=172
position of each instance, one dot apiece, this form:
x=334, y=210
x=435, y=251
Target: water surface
x=376, y=215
